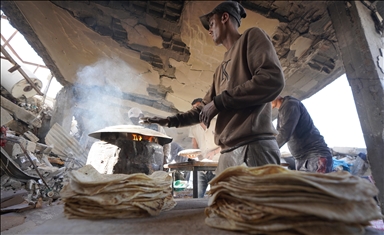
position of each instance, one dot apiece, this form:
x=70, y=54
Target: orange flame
x=137, y=137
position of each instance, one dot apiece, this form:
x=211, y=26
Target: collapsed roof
x=157, y=52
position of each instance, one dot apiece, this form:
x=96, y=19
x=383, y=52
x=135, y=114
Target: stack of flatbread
x=92, y=195
x=190, y=153
x=273, y=200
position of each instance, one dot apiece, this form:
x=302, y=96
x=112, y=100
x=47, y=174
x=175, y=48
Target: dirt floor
x=186, y=193
x=22, y=222
x=32, y=218
x=50, y=219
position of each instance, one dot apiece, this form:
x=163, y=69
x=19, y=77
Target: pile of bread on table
x=273, y=200
x=256, y=200
x=92, y=195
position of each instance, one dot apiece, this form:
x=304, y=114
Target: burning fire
x=137, y=137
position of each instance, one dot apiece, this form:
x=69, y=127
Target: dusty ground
x=186, y=193
x=49, y=219
x=33, y=217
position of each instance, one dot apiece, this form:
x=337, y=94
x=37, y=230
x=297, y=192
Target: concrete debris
x=6, y=195
x=16, y=149
x=12, y=168
x=353, y=160
x=10, y=221
x=16, y=179
x=15, y=184
x=20, y=113
x=40, y=180
x=32, y=168
x=45, y=159
x=5, y=117
x=348, y=151
x=19, y=207
x=30, y=136
x=4, y=179
x=12, y=201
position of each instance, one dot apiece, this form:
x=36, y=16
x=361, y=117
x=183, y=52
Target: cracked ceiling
x=156, y=54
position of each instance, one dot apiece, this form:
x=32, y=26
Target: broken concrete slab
x=6, y=195
x=18, y=126
x=51, y=171
x=10, y=221
x=4, y=179
x=19, y=207
x=30, y=136
x=45, y=159
x=5, y=117
x=20, y=113
x=28, y=145
x=15, y=184
x=15, y=200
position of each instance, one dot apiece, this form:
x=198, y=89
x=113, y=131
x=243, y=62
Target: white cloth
x=205, y=139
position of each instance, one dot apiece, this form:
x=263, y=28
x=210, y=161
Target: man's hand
x=207, y=113
x=212, y=153
x=160, y=121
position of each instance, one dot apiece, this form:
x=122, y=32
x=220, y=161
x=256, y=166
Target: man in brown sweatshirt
x=245, y=83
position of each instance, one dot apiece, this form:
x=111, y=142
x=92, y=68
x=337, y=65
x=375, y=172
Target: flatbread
x=190, y=153
x=273, y=200
x=354, y=188
x=92, y=195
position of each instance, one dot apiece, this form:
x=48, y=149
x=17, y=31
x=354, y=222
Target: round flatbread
x=189, y=153
x=273, y=200
x=92, y=195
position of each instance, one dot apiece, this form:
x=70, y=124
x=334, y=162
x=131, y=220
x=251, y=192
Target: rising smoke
x=100, y=94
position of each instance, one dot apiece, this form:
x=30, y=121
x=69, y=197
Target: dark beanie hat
x=233, y=8
x=197, y=100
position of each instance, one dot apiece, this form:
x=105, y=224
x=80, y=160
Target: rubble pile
x=353, y=160
x=32, y=168
x=40, y=179
x=25, y=114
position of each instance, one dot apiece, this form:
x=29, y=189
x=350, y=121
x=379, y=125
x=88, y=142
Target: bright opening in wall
x=24, y=55
x=333, y=112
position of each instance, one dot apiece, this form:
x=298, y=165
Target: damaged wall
x=157, y=56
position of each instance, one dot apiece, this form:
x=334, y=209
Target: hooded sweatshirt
x=296, y=128
x=245, y=83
